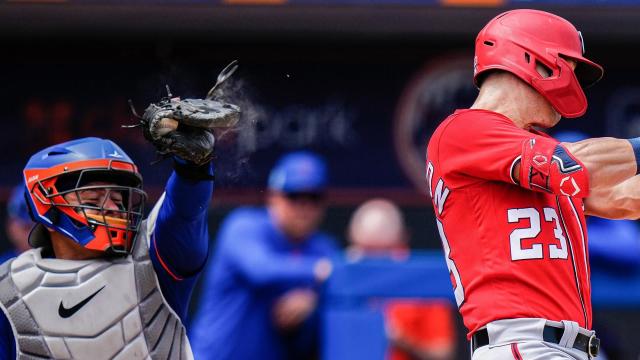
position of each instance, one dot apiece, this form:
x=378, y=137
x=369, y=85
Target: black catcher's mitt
x=184, y=127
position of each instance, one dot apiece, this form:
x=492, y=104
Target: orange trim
x=164, y=266
x=33, y=175
x=43, y=204
x=98, y=242
x=105, y=237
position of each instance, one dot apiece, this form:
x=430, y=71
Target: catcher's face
x=94, y=198
x=297, y=214
x=87, y=202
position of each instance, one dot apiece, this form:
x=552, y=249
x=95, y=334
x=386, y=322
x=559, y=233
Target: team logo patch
x=569, y=187
x=540, y=160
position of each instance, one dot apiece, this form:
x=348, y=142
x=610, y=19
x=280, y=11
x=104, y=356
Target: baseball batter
x=101, y=282
x=510, y=201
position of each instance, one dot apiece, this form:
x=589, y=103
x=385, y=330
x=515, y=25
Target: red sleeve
x=481, y=145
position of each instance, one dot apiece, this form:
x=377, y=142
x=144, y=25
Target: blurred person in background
x=260, y=293
x=18, y=224
x=377, y=228
x=417, y=329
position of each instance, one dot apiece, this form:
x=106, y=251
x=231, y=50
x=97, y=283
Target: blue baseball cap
x=17, y=205
x=299, y=171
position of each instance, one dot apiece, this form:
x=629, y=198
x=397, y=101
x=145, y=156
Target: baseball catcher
x=101, y=282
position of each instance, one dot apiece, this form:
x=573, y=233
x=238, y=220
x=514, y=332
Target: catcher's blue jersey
x=178, y=249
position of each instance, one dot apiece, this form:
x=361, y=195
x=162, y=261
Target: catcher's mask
x=519, y=40
x=87, y=189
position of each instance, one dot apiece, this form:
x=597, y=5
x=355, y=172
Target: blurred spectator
x=18, y=224
x=377, y=229
x=416, y=328
x=260, y=293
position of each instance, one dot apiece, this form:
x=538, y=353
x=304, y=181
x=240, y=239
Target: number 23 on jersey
x=518, y=251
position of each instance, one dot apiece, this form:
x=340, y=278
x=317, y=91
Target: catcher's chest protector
x=92, y=309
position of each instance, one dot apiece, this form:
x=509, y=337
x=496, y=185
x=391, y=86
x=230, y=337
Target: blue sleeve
x=328, y=246
x=179, y=244
x=245, y=246
x=7, y=341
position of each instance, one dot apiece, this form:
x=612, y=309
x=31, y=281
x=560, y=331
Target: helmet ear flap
x=563, y=91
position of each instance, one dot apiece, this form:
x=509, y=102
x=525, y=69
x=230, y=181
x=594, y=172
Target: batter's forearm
x=621, y=201
x=609, y=161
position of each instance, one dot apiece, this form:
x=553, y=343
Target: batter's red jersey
x=512, y=252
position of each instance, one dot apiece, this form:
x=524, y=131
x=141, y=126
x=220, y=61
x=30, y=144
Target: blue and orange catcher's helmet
x=56, y=177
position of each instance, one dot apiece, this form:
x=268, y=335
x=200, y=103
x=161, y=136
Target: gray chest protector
x=91, y=309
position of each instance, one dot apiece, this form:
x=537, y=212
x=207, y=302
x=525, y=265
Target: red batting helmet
x=517, y=40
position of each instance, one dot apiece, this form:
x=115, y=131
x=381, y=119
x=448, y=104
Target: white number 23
x=535, y=251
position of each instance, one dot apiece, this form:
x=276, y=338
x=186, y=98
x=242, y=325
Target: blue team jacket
x=253, y=264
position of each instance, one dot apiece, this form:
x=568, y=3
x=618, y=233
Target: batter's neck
x=506, y=94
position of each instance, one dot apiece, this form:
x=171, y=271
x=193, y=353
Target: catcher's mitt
x=184, y=127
